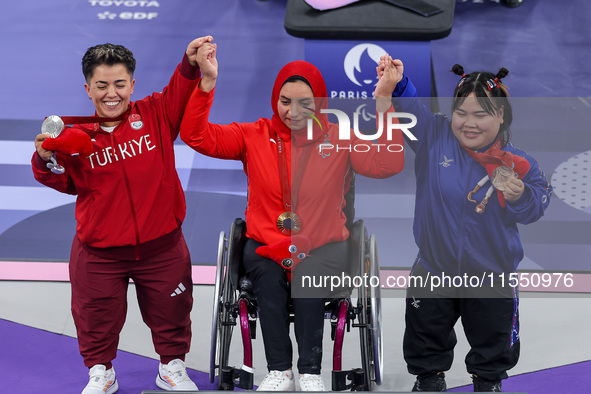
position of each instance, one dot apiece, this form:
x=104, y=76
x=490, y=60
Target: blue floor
x=545, y=45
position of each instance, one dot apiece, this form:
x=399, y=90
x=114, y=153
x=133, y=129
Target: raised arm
x=174, y=96
x=390, y=73
x=221, y=141
x=385, y=158
x=208, y=63
x=406, y=100
x=193, y=48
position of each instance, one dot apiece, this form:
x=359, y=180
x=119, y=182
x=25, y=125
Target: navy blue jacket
x=452, y=237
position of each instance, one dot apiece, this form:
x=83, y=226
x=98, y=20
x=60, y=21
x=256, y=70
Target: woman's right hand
x=206, y=59
x=44, y=154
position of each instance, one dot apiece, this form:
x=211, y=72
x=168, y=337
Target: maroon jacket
x=128, y=189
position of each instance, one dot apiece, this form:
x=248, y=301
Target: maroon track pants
x=99, y=300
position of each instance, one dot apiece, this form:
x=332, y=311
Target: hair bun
x=457, y=69
x=502, y=73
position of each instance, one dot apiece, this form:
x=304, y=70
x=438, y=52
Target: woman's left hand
x=193, y=46
x=207, y=61
x=513, y=189
x=390, y=72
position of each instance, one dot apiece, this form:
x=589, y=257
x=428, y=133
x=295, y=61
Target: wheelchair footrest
x=345, y=380
x=231, y=378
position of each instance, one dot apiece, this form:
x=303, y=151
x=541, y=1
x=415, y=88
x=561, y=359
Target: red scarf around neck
x=494, y=157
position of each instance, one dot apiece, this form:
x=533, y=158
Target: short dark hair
x=107, y=54
x=490, y=93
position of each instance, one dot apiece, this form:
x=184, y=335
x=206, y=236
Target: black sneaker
x=485, y=385
x=432, y=382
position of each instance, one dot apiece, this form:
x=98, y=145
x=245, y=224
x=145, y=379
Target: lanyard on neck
x=87, y=119
x=499, y=167
x=288, y=222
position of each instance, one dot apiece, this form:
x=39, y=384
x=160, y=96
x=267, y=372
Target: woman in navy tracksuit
x=466, y=229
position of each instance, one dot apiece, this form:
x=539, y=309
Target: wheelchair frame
x=233, y=305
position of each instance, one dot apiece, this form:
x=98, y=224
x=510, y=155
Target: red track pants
x=99, y=300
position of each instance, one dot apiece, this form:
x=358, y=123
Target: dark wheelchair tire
x=217, y=304
x=376, y=315
x=228, y=321
x=223, y=320
x=370, y=331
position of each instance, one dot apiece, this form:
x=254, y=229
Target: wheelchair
x=234, y=304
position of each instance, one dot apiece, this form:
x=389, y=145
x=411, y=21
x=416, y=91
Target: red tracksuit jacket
x=326, y=180
x=128, y=188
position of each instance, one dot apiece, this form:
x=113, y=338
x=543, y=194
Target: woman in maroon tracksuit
x=129, y=209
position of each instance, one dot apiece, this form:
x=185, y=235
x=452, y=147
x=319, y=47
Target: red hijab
x=311, y=74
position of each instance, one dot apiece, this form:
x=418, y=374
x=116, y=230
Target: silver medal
x=52, y=125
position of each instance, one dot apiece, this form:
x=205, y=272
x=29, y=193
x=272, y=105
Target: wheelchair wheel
x=370, y=319
x=376, y=314
x=217, y=306
x=223, y=319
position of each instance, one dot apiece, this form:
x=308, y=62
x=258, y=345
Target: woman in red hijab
x=297, y=181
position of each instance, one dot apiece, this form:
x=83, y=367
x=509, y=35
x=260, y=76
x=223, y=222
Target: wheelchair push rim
x=369, y=306
x=376, y=313
x=215, y=318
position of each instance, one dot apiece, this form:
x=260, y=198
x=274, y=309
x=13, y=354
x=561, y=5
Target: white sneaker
x=278, y=381
x=311, y=382
x=101, y=381
x=173, y=377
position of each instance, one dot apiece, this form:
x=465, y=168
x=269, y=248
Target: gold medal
x=289, y=223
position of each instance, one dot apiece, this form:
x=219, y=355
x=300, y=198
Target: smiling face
x=110, y=89
x=473, y=126
x=296, y=100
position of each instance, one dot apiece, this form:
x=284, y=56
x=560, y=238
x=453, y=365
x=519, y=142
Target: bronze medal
x=289, y=223
x=500, y=175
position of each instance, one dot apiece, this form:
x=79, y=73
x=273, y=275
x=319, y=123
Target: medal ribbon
x=494, y=157
x=284, y=176
x=90, y=119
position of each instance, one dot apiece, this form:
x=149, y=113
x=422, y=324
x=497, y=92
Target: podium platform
x=346, y=43
x=368, y=20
